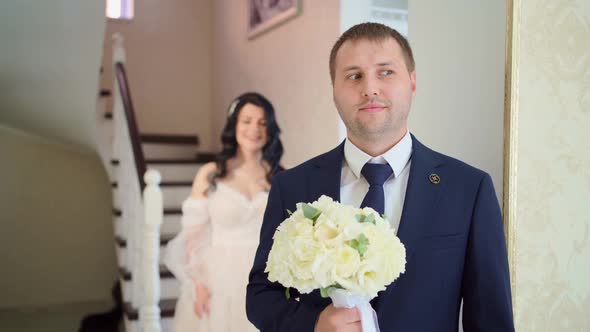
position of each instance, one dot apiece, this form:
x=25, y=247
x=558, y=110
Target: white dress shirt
x=354, y=186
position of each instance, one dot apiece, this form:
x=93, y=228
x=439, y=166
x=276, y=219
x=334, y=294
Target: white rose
x=346, y=261
x=323, y=268
x=326, y=231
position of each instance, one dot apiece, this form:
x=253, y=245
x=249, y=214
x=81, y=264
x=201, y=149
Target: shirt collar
x=397, y=157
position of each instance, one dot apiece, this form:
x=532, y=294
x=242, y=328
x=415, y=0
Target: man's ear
x=413, y=82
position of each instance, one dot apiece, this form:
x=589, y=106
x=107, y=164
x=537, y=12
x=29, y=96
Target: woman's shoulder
x=201, y=181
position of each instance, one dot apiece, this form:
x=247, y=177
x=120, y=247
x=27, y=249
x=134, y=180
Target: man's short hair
x=373, y=32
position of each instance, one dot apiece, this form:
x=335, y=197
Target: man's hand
x=201, y=305
x=334, y=319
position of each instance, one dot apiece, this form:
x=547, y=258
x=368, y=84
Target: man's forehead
x=358, y=48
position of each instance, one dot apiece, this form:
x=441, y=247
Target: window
x=119, y=9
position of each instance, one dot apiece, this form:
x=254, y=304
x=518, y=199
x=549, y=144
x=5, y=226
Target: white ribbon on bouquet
x=342, y=298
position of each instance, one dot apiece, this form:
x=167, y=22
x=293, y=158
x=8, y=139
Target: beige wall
x=552, y=162
x=459, y=48
x=288, y=64
x=56, y=236
x=168, y=46
x=49, y=67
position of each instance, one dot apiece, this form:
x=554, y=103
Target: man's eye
x=353, y=76
x=386, y=72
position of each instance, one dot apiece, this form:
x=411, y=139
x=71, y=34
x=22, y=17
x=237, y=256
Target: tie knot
x=376, y=174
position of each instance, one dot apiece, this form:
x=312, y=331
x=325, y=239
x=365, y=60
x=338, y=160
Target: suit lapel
x=421, y=196
x=420, y=204
x=324, y=179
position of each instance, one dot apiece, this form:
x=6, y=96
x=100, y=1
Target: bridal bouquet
x=350, y=254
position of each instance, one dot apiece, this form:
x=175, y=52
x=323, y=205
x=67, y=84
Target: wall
x=551, y=135
x=49, y=68
x=168, y=47
x=56, y=238
x=459, y=48
x=288, y=64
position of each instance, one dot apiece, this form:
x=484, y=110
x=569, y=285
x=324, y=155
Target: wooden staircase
x=177, y=158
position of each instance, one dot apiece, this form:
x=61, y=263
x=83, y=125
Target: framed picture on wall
x=264, y=15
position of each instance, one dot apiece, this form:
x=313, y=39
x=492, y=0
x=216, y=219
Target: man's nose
x=370, y=88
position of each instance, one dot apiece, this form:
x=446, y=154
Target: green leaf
x=363, y=244
x=287, y=294
x=360, y=244
x=371, y=219
x=363, y=218
x=289, y=212
x=360, y=218
x=310, y=212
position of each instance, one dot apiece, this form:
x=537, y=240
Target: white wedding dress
x=216, y=246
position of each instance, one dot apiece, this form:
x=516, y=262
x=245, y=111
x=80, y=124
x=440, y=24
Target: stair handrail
x=130, y=170
x=125, y=93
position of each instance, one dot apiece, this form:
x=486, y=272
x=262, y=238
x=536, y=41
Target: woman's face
x=251, y=133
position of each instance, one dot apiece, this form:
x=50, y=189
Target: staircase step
x=115, y=185
x=183, y=161
x=122, y=248
x=173, y=193
x=171, y=224
x=169, y=151
x=205, y=157
x=169, y=146
x=169, y=139
x=135, y=325
x=175, y=161
x=169, y=287
x=122, y=251
x=164, y=239
x=167, y=211
x=172, y=170
x=127, y=276
x=167, y=308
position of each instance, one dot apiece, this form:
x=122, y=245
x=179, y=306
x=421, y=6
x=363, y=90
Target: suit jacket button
x=434, y=178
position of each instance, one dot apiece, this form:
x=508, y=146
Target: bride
x=213, y=253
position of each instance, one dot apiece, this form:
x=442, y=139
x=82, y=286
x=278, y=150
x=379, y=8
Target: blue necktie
x=376, y=175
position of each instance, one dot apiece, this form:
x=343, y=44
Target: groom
x=445, y=211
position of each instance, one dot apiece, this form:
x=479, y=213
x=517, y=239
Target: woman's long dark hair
x=272, y=150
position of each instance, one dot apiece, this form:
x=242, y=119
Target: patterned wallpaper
x=552, y=221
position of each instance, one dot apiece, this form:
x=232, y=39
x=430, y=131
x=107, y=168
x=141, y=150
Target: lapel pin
x=434, y=178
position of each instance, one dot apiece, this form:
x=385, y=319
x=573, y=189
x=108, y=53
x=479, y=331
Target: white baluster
x=149, y=313
x=118, y=49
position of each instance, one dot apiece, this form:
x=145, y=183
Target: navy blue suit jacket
x=455, y=248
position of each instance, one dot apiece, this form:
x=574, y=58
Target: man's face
x=372, y=89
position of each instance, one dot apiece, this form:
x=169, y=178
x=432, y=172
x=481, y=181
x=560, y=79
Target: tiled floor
x=60, y=318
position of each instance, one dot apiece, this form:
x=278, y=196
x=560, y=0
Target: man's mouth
x=372, y=107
